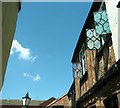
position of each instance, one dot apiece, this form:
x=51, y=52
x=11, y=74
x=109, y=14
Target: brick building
x=47, y=102
x=62, y=102
x=18, y=103
x=96, y=59
x=96, y=63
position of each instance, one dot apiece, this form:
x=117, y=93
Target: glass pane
x=83, y=66
x=74, y=66
x=93, y=41
x=101, y=23
x=77, y=69
x=89, y=33
x=97, y=44
x=90, y=44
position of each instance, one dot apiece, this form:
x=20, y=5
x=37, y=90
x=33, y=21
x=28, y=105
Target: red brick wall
x=77, y=88
x=64, y=101
x=91, y=79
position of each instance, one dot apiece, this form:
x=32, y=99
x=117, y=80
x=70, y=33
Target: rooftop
x=19, y=102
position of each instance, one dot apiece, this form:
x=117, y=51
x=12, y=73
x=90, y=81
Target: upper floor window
x=82, y=60
x=101, y=23
x=102, y=27
x=77, y=70
x=93, y=40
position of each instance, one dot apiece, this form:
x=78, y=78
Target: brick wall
x=77, y=88
x=89, y=80
x=104, y=60
x=63, y=101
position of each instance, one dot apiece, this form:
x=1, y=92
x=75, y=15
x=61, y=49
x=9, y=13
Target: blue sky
x=43, y=46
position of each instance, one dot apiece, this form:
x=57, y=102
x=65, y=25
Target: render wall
x=8, y=20
x=112, y=11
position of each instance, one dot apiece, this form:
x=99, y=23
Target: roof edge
x=95, y=6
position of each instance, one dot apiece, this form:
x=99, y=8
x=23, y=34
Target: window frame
x=82, y=60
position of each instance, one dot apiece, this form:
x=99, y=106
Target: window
x=82, y=61
x=102, y=27
x=101, y=22
x=77, y=70
x=93, y=40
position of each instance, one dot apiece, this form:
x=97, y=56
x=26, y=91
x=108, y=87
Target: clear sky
x=42, y=49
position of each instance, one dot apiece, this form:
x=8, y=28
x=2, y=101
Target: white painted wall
x=112, y=11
